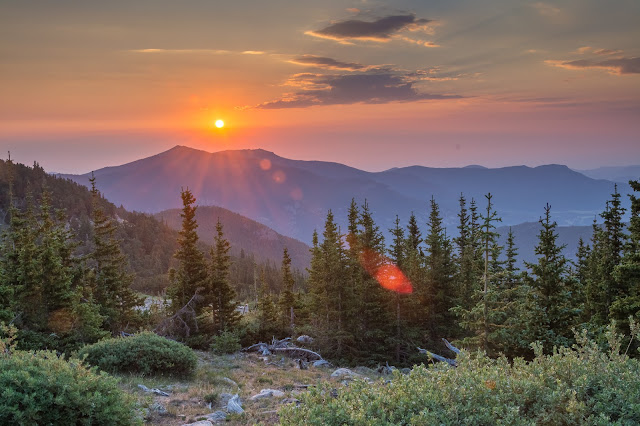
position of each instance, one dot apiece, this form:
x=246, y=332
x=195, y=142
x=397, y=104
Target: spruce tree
x=220, y=293
x=627, y=272
x=287, y=301
x=191, y=275
x=551, y=313
x=111, y=281
x=267, y=312
x=439, y=295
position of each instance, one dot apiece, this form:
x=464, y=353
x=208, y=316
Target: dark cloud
x=379, y=30
x=329, y=63
x=614, y=66
x=371, y=88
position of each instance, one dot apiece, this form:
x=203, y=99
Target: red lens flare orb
x=387, y=273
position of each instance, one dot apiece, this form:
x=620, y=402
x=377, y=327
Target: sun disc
x=219, y=124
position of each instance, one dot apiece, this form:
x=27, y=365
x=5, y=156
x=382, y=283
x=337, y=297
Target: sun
x=219, y=124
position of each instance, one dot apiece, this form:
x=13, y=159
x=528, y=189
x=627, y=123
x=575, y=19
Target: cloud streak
x=345, y=89
x=379, y=30
x=617, y=66
x=330, y=63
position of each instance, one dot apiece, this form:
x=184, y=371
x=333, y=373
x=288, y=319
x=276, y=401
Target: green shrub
x=211, y=398
x=40, y=388
x=583, y=385
x=144, y=353
x=225, y=343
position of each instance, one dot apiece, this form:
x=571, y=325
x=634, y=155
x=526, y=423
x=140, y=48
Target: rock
x=304, y=339
x=344, y=372
x=224, y=399
x=199, y=423
x=229, y=381
x=154, y=391
x=363, y=370
x=159, y=408
x=321, y=363
x=218, y=416
x=235, y=405
x=268, y=393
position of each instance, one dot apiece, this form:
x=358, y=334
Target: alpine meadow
x=320, y=213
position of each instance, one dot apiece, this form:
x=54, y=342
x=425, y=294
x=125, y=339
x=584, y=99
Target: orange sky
x=90, y=84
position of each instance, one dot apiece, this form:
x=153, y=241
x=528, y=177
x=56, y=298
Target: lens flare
x=387, y=273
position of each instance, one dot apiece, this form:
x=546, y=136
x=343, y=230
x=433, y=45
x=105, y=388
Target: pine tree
x=551, y=313
x=397, y=254
x=221, y=295
x=267, y=313
x=440, y=295
x=627, y=272
x=112, y=283
x=607, y=245
x=191, y=275
x=375, y=321
x=287, y=301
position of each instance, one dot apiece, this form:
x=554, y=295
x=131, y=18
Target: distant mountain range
x=526, y=238
x=243, y=234
x=293, y=196
x=616, y=174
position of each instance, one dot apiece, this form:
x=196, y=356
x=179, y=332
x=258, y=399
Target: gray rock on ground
x=235, y=405
x=345, y=373
x=268, y=393
x=199, y=423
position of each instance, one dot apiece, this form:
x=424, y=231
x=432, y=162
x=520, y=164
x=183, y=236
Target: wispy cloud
x=330, y=63
x=617, y=66
x=343, y=89
x=198, y=51
x=380, y=30
x=602, y=52
x=546, y=9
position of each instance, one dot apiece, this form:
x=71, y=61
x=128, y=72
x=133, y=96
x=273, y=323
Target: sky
x=373, y=84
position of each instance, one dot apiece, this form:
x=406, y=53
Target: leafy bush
x=583, y=385
x=225, y=343
x=144, y=353
x=40, y=388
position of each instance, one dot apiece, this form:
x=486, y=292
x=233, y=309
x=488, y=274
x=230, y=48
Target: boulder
x=218, y=416
x=235, y=405
x=344, y=373
x=268, y=393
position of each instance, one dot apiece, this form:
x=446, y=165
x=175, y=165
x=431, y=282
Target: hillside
x=243, y=234
x=148, y=243
x=293, y=196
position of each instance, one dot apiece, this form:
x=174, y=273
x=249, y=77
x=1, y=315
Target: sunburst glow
x=219, y=124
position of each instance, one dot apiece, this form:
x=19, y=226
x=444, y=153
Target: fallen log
x=300, y=353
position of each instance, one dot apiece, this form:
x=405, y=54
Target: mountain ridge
x=293, y=196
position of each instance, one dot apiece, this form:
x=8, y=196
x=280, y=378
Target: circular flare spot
x=265, y=164
x=219, y=124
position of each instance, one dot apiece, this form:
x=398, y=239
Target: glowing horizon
x=428, y=84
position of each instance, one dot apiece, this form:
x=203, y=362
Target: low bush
x=225, y=343
x=581, y=385
x=40, y=388
x=144, y=353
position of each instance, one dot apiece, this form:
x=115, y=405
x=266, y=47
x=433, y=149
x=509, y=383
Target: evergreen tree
x=267, y=312
x=287, y=298
x=439, y=296
x=221, y=295
x=374, y=318
x=111, y=281
x=551, y=313
x=627, y=272
x=191, y=275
